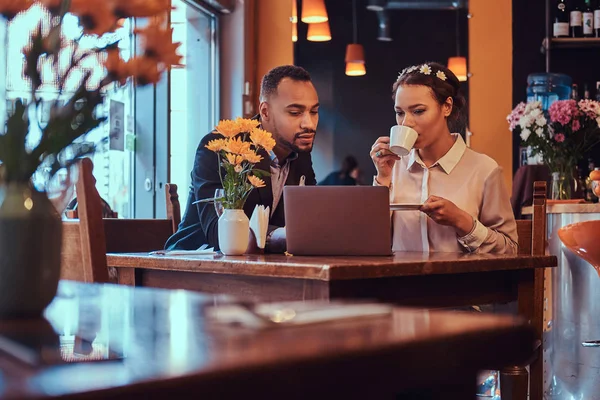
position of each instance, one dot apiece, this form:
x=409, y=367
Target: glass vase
x=561, y=186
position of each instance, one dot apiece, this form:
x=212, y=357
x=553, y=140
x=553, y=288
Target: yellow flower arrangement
x=238, y=152
x=78, y=116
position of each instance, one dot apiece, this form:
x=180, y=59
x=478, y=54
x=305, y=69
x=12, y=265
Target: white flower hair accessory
x=424, y=69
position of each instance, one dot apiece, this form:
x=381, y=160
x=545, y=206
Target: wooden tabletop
x=171, y=347
x=332, y=268
x=584, y=208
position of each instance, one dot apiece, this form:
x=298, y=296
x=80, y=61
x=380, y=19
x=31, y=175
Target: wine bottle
x=574, y=92
x=560, y=27
x=586, y=91
x=598, y=91
x=588, y=19
x=597, y=20
x=576, y=20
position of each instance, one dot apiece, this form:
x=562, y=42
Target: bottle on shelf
x=597, y=20
x=560, y=28
x=574, y=92
x=576, y=20
x=588, y=19
x=586, y=91
x=598, y=91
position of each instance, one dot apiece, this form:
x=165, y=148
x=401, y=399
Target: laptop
x=337, y=220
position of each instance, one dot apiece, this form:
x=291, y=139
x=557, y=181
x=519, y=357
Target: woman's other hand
x=445, y=212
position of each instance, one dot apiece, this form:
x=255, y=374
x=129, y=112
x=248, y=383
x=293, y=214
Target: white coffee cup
x=402, y=139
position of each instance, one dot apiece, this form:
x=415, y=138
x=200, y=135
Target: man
x=289, y=109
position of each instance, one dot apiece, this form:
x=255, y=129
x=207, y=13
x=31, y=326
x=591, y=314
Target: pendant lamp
x=458, y=64
x=294, y=31
x=355, y=69
x=314, y=11
x=355, y=53
x=319, y=32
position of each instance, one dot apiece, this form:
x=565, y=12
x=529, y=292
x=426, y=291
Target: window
x=193, y=89
x=113, y=160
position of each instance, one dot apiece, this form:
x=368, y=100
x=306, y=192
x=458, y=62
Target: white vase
x=234, y=231
x=30, y=248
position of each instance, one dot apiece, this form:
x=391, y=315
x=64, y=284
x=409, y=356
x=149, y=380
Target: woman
x=465, y=204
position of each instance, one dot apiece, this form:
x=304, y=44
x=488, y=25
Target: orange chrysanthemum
x=234, y=159
x=227, y=128
x=237, y=146
x=262, y=138
x=142, y=8
x=217, y=145
x=246, y=125
x=10, y=8
x=144, y=70
x=157, y=43
x=116, y=67
x=252, y=157
x=96, y=17
x=256, y=181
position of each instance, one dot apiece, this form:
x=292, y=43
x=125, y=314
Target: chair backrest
x=87, y=240
x=84, y=245
x=532, y=233
x=173, y=206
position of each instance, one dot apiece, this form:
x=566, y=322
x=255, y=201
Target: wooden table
x=413, y=279
x=172, y=349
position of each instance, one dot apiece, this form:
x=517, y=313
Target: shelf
x=569, y=43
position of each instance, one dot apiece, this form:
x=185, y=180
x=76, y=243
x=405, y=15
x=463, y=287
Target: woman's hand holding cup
x=384, y=160
x=387, y=150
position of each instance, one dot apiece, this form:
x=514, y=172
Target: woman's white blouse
x=473, y=182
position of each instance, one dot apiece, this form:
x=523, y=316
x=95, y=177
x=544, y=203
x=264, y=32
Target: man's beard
x=293, y=146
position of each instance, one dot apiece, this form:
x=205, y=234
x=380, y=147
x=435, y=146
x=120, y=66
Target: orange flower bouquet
x=48, y=48
x=237, y=153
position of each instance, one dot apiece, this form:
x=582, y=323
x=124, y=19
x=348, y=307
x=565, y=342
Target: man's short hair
x=272, y=78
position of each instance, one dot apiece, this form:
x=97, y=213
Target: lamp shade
x=294, y=18
x=458, y=65
x=294, y=31
x=355, y=69
x=314, y=11
x=319, y=32
x=355, y=53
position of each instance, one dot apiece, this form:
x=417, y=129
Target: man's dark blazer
x=199, y=223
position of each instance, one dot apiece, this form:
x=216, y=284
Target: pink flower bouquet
x=562, y=135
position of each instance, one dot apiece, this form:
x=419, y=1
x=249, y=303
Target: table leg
x=531, y=306
x=126, y=276
x=513, y=383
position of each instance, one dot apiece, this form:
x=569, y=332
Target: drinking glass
x=219, y=205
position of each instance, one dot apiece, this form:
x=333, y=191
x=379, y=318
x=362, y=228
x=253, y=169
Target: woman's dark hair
x=348, y=165
x=441, y=89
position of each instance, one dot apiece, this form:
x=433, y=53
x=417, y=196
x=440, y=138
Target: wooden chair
x=532, y=233
x=532, y=241
x=87, y=240
x=173, y=206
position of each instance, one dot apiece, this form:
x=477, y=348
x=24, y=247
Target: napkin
x=259, y=222
x=274, y=315
x=202, y=250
